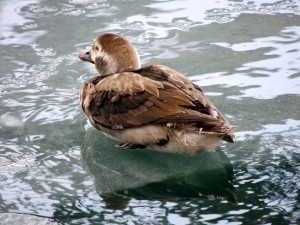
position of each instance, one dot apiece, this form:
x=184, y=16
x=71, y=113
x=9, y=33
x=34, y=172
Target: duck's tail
x=229, y=134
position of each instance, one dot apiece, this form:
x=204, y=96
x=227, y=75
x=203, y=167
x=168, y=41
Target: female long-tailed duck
x=152, y=106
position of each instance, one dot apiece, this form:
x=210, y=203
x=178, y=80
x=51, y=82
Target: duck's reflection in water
x=122, y=174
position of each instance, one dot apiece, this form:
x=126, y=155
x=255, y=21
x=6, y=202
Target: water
x=55, y=169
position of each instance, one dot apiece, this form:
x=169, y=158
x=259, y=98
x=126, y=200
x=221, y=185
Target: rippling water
x=55, y=169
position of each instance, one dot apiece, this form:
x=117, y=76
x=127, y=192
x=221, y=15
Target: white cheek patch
x=93, y=56
x=111, y=63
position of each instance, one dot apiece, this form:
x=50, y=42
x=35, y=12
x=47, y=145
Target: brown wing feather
x=154, y=94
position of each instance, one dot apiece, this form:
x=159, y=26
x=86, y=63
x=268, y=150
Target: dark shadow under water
x=120, y=175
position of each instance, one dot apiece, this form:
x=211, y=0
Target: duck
x=152, y=106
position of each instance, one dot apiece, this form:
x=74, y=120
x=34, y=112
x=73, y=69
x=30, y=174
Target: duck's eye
x=97, y=48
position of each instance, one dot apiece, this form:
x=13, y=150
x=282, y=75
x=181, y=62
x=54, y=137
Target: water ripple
x=29, y=74
x=16, y=218
x=244, y=54
x=274, y=75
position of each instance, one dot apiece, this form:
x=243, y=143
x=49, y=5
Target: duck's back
x=155, y=95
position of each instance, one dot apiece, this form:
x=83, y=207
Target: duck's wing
x=152, y=94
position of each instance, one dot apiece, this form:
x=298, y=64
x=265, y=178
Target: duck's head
x=112, y=53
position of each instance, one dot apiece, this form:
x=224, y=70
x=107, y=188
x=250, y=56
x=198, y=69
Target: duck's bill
x=86, y=56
